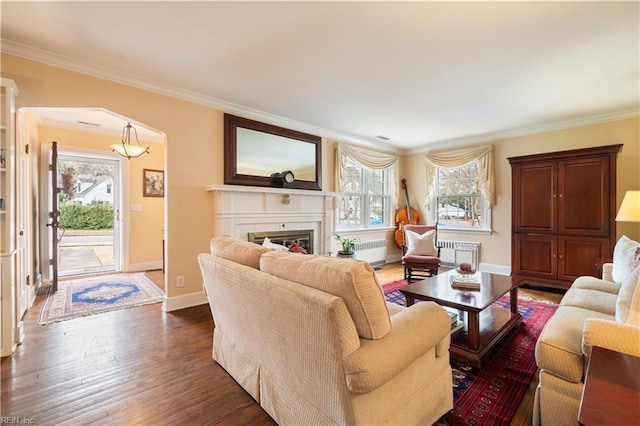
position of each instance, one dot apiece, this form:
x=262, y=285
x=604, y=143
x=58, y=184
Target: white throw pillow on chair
x=421, y=244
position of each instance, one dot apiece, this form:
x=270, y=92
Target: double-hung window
x=460, y=202
x=460, y=186
x=366, y=200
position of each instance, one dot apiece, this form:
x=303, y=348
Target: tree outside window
x=366, y=200
x=459, y=200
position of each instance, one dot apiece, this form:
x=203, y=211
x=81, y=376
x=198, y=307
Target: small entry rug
x=95, y=295
x=491, y=395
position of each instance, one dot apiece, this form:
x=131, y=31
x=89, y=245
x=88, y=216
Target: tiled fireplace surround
x=239, y=210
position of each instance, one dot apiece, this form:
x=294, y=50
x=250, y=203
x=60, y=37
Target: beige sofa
x=593, y=312
x=312, y=339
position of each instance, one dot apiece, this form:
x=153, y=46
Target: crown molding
x=46, y=57
x=71, y=64
x=60, y=61
x=524, y=131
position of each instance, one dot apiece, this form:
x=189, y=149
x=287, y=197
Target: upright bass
x=406, y=215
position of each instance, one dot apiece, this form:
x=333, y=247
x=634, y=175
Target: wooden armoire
x=563, y=214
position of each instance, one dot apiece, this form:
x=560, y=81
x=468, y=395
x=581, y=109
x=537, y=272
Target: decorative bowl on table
x=465, y=269
x=466, y=277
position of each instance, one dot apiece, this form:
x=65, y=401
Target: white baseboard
x=145, y=266
x=19, y=332
x=495, y=269
x=8, y=351
x=184, y=301
x=394, y=258
x=485, y=267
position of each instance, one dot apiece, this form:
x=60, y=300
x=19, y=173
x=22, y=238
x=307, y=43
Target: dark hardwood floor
x=134, y=366
x=137, y=366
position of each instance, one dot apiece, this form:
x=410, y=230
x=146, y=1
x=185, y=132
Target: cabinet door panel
x=583, y=197
x=535, y=198
x=579, y=256
x=535, y=255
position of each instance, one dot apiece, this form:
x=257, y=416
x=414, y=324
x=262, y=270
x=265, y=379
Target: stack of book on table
x=466, y=281
x=456, y=325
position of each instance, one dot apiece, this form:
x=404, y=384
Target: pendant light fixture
x=125, y=148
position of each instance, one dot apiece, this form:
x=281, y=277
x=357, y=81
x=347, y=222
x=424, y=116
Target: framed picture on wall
x=153, y=181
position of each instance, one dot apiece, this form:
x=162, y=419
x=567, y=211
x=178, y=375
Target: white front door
x=89, y=222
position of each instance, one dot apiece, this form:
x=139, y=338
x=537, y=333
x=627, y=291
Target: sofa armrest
x=586, y=282
x=414, y=331
x=611, y=335
x=607, y=271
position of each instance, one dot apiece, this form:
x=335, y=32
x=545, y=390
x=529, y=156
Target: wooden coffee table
x=485, y=324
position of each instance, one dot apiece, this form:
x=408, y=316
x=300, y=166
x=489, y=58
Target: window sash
x=366, y=202
x=459, y=200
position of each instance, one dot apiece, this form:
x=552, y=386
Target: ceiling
x=95, y=121
x=422, y=74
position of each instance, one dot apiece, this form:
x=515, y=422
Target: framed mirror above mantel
x=254, y=151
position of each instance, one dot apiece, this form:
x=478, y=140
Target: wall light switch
x=136, y=207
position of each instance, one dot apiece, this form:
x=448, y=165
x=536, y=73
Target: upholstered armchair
x=420, y=252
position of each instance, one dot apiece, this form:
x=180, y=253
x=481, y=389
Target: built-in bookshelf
x=8, y=95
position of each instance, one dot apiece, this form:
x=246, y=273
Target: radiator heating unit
x=452, y=252
x=373, y=252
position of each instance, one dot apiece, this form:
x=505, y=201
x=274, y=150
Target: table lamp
x=630, y=208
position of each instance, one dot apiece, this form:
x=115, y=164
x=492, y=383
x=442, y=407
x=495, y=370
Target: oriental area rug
x=491, y=395
x=95, y=295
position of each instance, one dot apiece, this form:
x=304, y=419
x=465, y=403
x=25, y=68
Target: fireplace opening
x=303, y=238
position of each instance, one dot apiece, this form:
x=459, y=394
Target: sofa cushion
x=242, y=252
x=593, y=300
x=625, y=296
x=623, y=258
x=353, y=281
x=559, y=347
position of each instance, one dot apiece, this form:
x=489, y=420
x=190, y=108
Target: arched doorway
x=86, y=134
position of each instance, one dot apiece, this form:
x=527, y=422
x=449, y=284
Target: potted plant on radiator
x=348, y=246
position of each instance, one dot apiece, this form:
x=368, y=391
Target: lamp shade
x=125, y=148
x=129, y=151
x=630, y=208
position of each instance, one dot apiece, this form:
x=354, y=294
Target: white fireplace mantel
x=270, y=190
x=239, y=210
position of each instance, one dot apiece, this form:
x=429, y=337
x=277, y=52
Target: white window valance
x=367, y=158
x=458, y=158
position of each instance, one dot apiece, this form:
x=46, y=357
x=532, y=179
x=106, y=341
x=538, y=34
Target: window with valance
x=460, y=188
x=368, y=183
